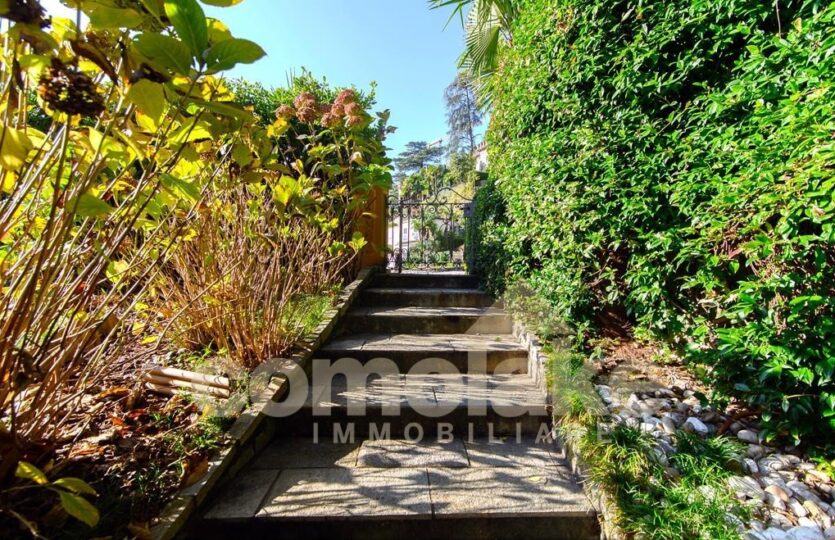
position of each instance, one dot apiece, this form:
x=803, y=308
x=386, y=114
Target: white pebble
x=805, y=533
x=746, y=435
x=694, y=425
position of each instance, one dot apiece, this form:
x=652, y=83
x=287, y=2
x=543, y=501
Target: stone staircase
x=448, y=439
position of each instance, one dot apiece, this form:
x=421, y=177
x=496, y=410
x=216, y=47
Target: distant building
x=480, y=155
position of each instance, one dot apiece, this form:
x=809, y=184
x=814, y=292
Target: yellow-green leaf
x=90, y=206
x=76, y=485
x=336, y=248
x=102, y=16
x=168, y=51
x=225, y=109
x=114, y=272
x=34, y=64
x=181, y=188
x=226, y=54
x=218, y=31
x=149, y=97
x=27, y=471
x=242, y=154
x=153, y=7
x=189, y=22
x=358, y=241
x=14, y=149
x=79, y=508
x=192, y=131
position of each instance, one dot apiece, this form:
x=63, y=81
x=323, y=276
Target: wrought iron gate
x=427, y=234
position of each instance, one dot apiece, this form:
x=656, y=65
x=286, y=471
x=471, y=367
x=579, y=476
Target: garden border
x=537, y=367
x=247, y=438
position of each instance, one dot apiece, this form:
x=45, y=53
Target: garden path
x=453, y=443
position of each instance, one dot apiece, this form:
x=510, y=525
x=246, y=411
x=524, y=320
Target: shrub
x=486, y=237
x=145, y=185
x=89, y=207
x=668, y=166
x=264, y=242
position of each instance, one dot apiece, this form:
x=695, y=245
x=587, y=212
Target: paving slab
x=426, y=342
x=513, y=491
x=304, y=453
x=417, y=311
x=403, y=453
x=510, y=452
x=308, y=494
x=242, y=497
x=425, y=297
x=428, y=320
x=516, y=391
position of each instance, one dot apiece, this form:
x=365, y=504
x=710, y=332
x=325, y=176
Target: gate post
x=373, y=229
x=398, y=258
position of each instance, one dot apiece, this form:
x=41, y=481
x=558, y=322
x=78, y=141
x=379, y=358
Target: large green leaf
x=102, y=16
x=189, y=22
x=76, y=485
x=149, y=97
x=79, y=508
x=90, y=206
x=168, y=51
x=14, y=147
x=153, y=7
x=225, y=109
x=181, y=188
x=225, y=54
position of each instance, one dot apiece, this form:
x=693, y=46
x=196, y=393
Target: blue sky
x=401, y=44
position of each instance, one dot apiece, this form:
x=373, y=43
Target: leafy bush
x=280, y=229
x=146, y=181
x=486, y=238
x=668, y=166
x=264, y=101
x=131, y=107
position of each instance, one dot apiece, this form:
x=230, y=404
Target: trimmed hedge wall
x=668, y=166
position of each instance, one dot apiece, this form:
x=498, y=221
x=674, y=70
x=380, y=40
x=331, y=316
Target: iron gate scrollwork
x=429, y=233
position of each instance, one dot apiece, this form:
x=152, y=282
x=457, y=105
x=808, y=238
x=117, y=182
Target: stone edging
x=537, y=365
x=245, y=444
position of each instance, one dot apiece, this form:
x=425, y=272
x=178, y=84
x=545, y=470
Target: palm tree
x=487, y=26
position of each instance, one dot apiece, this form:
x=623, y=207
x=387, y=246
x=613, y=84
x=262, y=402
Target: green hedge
x=667, y=165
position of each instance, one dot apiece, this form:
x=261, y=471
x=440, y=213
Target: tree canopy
x=417, y=155
x=463, y=115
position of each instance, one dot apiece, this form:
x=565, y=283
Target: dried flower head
x=307, y=114
x=329, y=120
x=338, y=110
x=285, y=111
x=70, y=91
x=27, y=12
x=345, y=96
x=307, y=109
x=353, y=109
x=354, y=120
x=304, y=99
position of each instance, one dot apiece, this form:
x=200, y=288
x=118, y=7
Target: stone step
x=425, y=297
x=428, y=320
x=301, y=488
x=425, y=280
x=490, y=353
x=421, y=405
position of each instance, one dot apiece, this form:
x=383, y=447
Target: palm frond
x=487, y=30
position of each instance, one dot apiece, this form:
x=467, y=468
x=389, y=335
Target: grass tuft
x=660, y=498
